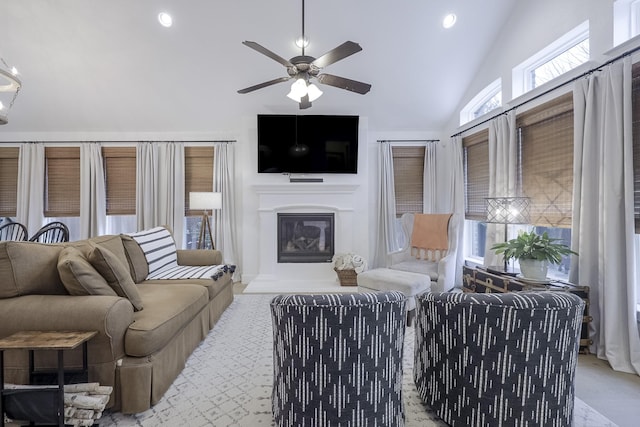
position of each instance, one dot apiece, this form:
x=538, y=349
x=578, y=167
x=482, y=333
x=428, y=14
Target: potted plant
x=534, y=252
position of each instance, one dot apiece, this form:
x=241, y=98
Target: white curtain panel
x=603, y=223
x=30, y=201
x=450, y=196
x=93, y=198
x=502, y=174
x=430, y=182
x=386, y=209
x=160, y=186
x=224, y=220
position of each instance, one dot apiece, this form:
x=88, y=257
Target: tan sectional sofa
x=139, y=353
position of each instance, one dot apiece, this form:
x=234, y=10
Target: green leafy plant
x=533, y=246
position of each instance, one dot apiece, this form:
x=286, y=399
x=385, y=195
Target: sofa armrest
x=109, y=315
x=194, y=257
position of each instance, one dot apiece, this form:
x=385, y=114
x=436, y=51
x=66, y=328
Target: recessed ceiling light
x=302, y=42
x=165, y=19
x=449, y=20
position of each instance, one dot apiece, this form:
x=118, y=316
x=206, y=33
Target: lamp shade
x=205, y=200
x=508, y=210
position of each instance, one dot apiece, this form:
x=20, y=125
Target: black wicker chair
x=498, y=359
x=13, y=231
x=54, y=232
x=337, y=359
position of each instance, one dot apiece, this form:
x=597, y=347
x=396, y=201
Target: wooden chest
x=481, y=281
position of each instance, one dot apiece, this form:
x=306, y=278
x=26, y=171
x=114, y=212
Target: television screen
x=307, y=144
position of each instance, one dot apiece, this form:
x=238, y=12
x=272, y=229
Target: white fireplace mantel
x=301, y=198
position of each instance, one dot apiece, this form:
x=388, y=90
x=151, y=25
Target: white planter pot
x=534, y=269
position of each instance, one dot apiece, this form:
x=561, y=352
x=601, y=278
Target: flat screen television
x=307, y=144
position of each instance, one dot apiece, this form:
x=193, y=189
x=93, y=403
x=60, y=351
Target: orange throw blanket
x=430, y=234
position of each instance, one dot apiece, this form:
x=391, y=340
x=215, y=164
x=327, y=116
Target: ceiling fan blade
x=343, y=83
x=304, y=102
x=263, y=50
x=265, y=84
x=345, y=49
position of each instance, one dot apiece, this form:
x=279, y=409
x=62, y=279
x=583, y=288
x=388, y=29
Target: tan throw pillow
x=116, y=274
x=78, y=275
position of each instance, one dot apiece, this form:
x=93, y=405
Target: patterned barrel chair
x=498, y=359
x=337, y=359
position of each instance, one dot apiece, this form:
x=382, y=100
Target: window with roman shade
x=476, y=174
x=8, y=180
x=546, y=161
x=120, y=179
x=198, y=174
x=62, y=182
x=408, y=173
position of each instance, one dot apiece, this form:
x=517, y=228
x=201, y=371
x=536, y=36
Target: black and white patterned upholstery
x=498, y=359
x=159, y=249
x=337, y=359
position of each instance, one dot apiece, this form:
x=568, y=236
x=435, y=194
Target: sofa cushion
x=159, y=248
x=28, y=268
x=135, y=257
x=78, y=275
x=168, y=309
x=116, y=274
x=113, y=242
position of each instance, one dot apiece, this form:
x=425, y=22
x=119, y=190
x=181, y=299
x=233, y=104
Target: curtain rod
x=408, y=140
x=551, y=89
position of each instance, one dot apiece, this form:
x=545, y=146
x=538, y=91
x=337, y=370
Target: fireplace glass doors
x=305, y=237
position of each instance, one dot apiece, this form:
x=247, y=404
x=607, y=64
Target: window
x=198, y=170
x=626, y=20
x=408, y=178
x=561, y=56
x=120, y=182
x=8, y=181
x=476, y=178
x=488, y=99
x=62, y=182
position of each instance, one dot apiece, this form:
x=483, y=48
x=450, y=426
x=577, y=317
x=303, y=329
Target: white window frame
x=522, y=81
x=626, y=20
x=467, y=113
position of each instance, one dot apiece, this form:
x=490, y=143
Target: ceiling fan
x=303, y=68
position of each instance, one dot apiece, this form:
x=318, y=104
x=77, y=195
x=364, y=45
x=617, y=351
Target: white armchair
x=442, y=271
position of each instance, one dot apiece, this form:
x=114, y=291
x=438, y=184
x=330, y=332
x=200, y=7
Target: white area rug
x=228, y=378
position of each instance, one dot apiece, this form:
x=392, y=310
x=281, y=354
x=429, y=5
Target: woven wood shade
x=8, y=180
x=120, y=171
x=546, y=169
x=62, y=181
x=408, y=176
x=476, y=169
x=198, y=174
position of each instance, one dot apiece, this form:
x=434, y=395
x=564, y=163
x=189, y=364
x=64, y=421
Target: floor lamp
x=205, y=201
x=507, y=210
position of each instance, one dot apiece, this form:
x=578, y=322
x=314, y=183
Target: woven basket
x=347, y=277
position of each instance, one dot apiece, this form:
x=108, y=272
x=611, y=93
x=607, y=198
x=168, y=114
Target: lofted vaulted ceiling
x=108, y=66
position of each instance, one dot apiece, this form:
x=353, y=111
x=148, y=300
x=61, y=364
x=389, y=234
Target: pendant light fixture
x=10, y=85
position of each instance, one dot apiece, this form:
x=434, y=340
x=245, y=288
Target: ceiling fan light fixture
x=298, y=90
x=314, y=92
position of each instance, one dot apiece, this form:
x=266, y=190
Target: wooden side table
x=43, y=340
x=480, y=280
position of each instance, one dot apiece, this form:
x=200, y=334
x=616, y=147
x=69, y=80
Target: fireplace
x=305, y=237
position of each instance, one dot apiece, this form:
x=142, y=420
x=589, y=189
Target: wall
x=532, y=26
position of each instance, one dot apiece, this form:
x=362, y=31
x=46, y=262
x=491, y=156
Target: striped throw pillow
x=159, y=248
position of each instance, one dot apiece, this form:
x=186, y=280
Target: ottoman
x=386, y=279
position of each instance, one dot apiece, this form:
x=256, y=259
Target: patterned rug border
x=236, y=391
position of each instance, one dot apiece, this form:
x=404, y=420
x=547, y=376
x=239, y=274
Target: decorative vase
x=534, y=269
